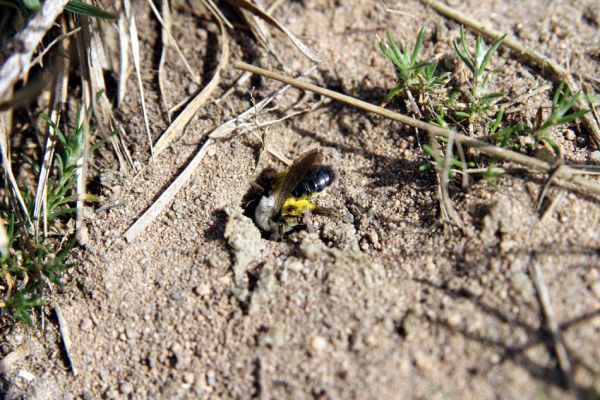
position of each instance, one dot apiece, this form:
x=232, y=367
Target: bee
x=290, y=200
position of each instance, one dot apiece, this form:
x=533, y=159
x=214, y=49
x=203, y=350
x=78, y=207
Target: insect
x=289, y=201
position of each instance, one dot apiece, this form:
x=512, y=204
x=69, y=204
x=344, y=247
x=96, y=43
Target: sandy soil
x=380, y=304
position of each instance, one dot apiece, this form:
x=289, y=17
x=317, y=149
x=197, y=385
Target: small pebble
x=86, y=324
x=210, y=378
x=569, y=134
x=595, y=156
x=318, y=343
x=192, y=88
x=454, y=320
x=188, y=377
x=126, y=388
x=202, y=290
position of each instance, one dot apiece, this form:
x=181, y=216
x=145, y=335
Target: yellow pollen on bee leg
x=294, y=206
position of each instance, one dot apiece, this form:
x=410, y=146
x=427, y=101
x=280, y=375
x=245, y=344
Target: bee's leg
x=308, y=220
x=279, y=233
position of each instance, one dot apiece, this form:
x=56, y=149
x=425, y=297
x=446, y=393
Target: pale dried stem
x=25, y=44
x=536, y=275
x=135, y=51
x=58, y=100
x=566, y=173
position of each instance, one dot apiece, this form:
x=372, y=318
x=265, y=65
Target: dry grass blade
x=66, y=338
x=561, y=351
x=3, y=238
x=62, y=36
x=94, y=91
x=313, y=56
x=135, y=51
x=165, y=198
x=59, y=98
x=28, y=40
x=566, y=173
x=177, y=128
x=166, y=27
x=124, y=47
x=544, y=64
x=166, y=30
x=5, y=129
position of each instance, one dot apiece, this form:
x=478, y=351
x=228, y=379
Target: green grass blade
x=81, y=8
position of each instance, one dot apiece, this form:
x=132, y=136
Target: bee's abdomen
x=316, y=180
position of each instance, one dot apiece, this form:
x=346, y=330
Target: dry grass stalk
x=135, y=51
x=66, y=338
x=536, y=275
x=25, y=44
x=124, y=47
x=166, y=28
x=57, y=101
x=567, y=174
x=532, y=57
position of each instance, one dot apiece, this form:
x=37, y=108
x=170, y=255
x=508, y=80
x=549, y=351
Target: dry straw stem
x=26, y=42
x=167, y=23
x=566, y=173
x=536, y=275
x=58, y=100
x=135, y=51
x=66, y=338
x=545, y=64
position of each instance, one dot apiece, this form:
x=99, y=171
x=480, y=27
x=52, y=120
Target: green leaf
x=81, y=8
x=417, y=48
x=491, y=51
x=465, y=59
x=392, y=93
x=32, y=5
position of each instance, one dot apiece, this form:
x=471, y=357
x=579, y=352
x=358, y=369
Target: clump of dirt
x=382, y=303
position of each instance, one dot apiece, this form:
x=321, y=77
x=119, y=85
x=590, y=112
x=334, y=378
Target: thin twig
x=532, y=57
x=566, y=173
x=64, y=333
x=561, y=351
x=60, y=37
x=135, y=51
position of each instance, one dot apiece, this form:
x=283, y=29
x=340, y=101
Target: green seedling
x=411, y=73
x=562, y=103
x=506, y=136
x=480, y=100
x=20, y=303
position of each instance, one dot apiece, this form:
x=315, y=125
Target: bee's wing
x=294, y=175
